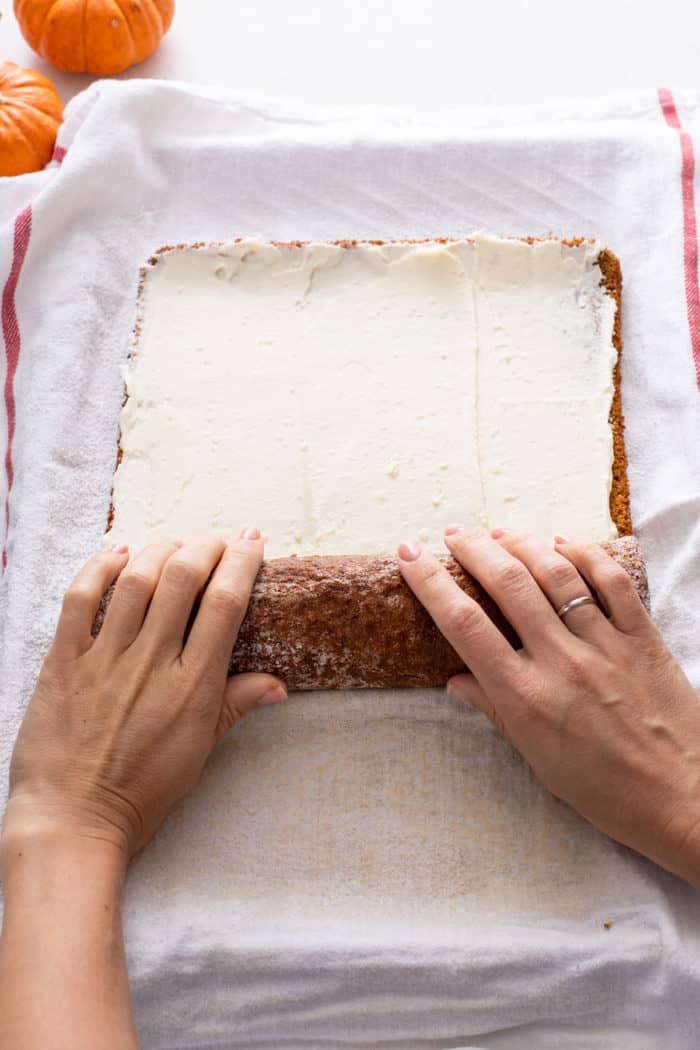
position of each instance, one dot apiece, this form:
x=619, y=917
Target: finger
x=82, y=600
x=509, y=583
x=182, y=580
x=613, y=585
x=466, y=689
x=464, y=624
x=224, y=603
x=245, y=692
x=132, y=595
x=561, y=582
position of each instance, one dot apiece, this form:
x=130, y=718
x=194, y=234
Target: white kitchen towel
x=373, y=869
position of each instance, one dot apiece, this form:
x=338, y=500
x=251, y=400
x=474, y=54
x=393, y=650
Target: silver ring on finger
x=576, y=603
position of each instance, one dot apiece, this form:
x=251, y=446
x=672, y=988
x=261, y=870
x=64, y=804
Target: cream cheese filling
x=345, y=398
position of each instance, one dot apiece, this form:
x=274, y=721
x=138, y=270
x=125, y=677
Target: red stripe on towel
x=10, y=331
x=690, y=226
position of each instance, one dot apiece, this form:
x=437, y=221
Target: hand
x=597, y=706
x=120, y=727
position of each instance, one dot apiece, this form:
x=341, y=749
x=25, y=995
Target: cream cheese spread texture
x=345, y=398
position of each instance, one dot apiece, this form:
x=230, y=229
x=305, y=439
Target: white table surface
x=415, y=54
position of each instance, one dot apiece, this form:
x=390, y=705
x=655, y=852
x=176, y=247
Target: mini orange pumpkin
x=94, y=36
x=30, y=115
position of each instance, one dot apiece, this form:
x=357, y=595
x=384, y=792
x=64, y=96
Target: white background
x=416, y=54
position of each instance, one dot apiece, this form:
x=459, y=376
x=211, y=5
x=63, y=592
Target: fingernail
x=250, y=534
x=177, y=543
x=455, y=527
x=560, y=538
x=409, y=551
x=496, y=534
x=119, y=548
x=274, y=695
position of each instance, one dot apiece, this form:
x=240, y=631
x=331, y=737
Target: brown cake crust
x=619, y=490
x=350, y=622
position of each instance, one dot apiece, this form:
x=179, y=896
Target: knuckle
x=511, y=577
x=239, y=552
x=239, y=555
x=180, y=574
x=230, y=716
x=226, y=599
x=463, y=618
x=135, y=584
x=618, y=582
x=80, y=595
x=563, y=574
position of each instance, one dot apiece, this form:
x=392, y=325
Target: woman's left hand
x=120, y=727
x=596, y=704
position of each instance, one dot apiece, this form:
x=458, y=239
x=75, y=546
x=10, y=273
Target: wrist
x=32, y=843
x=60, y=889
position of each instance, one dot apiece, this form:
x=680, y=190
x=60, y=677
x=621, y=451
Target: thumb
x=244, y=692
x=465, y=688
